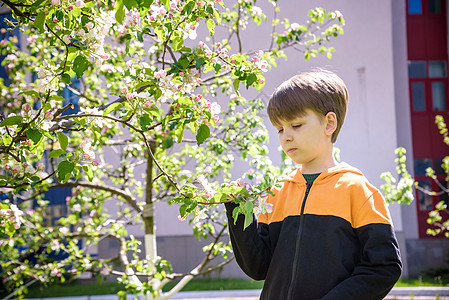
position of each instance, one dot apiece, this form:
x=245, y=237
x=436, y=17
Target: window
x=421, y=164
x=414, y=7
x=437, y=69
x=435, y=6
x=438, y=96
x=443, y=187
x=424, y=197
x=5, y=35
x=418, y=96
x=417, y=69
x=438, y=167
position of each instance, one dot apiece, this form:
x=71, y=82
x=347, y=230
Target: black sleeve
x=251, y=246
x=379, y=268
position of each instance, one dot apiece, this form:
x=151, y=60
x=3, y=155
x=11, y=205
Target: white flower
x=105, y=271
x=294, y=26
x=256, y=11
x=76, y=207
x=262, y=207
x=30, y=170
x=215, y=108
x=54, y=245
x=64, y=230
x=80, y=3
x=199, y=215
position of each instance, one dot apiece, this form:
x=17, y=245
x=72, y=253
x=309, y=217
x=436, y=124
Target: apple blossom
x=80, y=3
x=76, y=207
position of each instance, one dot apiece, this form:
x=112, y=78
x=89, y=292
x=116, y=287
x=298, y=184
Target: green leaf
x=57, y=98
x=236, y=85
x=34, y=134
x=248, y=220
x=145, y=121
x=30, y=93
x=160, y=33
x=179, y=131
x=65, y=169
x=119, y=9
x=178, y=43
x=250, y=80
x=199, y=61
x=80, y=65
x=202, y=134
x=235, y=214
x=217, y=16
x=63, y=140
x=36, y=4
x=39, y=21
x=89, y=172
x=211, y=26
x=130, y=4
x=188, y=7
x=14, y=120
x=66, y=78
x=56, y=153
x=112, y=107
x=7, y=139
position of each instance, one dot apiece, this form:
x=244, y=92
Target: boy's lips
x=291, y=150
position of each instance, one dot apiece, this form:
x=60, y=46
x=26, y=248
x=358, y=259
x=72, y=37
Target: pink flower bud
x=26, y=107
x=80, y=3
x=86, y=156
x=214, y=59
x=255, y=59
x=55, y=19
x=259, y=53
x=48, y=115
x=90, y=25
x=70, y=7
x=216, y=118
x=124, y=90
x=201, y=44
x=261, y=81
x=81, y=32
x=95, y=163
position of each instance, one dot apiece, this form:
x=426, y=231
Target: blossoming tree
x=149, y=90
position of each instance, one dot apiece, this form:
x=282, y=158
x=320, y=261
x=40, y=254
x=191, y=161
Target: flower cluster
x=13, y=215
x=262, y=207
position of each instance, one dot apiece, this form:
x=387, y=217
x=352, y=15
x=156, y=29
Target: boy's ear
x=331, y=123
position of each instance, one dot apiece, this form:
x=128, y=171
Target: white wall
x=364, y=60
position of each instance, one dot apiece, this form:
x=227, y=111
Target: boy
x=330, y=234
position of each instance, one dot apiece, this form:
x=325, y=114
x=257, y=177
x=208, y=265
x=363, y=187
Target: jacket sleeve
x=251, y=246
x=380, y=264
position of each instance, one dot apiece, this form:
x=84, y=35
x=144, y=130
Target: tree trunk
x=148, y=214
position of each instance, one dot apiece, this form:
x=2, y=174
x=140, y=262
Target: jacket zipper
x=298, y=242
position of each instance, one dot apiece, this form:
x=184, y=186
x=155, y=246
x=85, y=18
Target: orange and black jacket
x=332, y=240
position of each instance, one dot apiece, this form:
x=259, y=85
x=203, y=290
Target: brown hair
x=321, y=91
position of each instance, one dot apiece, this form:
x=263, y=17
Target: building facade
x=393, y=58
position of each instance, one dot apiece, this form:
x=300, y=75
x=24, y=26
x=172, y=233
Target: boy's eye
x=296, y=125
x=280, y=130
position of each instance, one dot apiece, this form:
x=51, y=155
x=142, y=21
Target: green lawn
x=106, y=288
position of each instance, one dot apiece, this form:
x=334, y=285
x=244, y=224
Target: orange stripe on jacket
x=345, y=194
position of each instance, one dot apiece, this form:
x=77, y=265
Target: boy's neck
x=319, y=165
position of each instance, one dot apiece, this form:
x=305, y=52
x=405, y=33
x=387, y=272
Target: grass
x=78, y=288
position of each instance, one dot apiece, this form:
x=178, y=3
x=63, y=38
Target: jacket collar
x=341, y=168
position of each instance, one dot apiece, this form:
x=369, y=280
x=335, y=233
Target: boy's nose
x=287, y=136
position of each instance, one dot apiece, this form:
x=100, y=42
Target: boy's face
x=307, y=140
